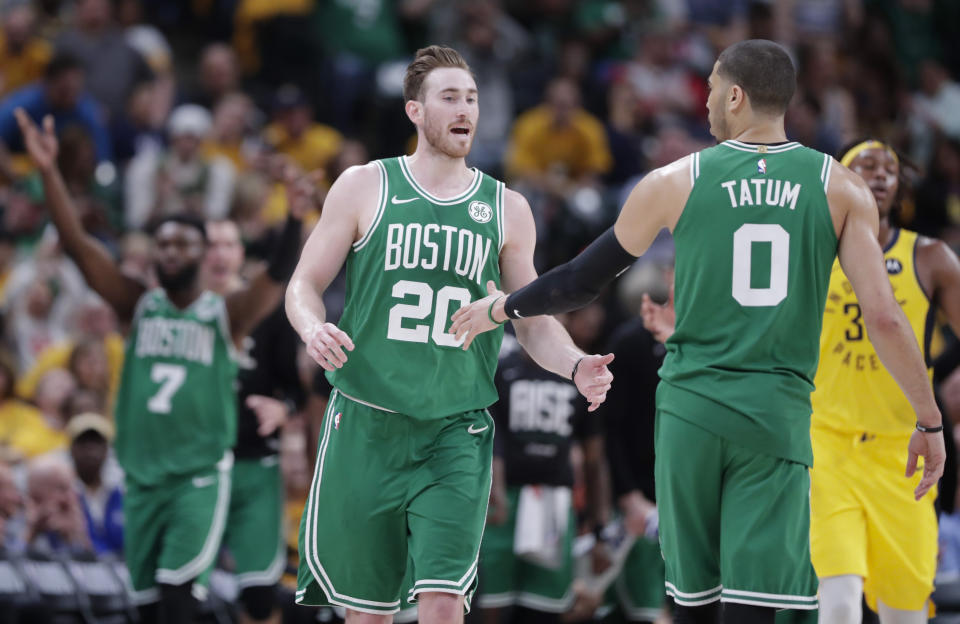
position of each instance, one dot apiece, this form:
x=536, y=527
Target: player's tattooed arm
x=99, y=268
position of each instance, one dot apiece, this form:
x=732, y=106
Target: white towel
x=543, y=513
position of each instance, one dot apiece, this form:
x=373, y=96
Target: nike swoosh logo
x=201, y=482
x=470, y=429
x=394, y=200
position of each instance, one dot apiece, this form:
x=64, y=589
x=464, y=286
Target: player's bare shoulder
x=518, y=223
x=355, y=196
x=847, y=193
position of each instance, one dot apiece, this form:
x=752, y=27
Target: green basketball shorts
x=172, y=531
x=639, y=587
x=734, y=524
x=506, y=579
x=254, y=533
x=388, y=487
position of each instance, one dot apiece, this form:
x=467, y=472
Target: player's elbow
x=885, y=321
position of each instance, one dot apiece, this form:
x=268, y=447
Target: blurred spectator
x=938, y=198
x=276, y=43
x=43, y=293
x=231, y=136
x=805, y=123
x=95, y=323
x=23, y=55
x=55, y=521
x=101, y=498
x=135, y=257
x=294, y=133
x=819, y=78
x=623, y=134
x=7, y=255
x=90, y=366
x=137, y=128
x=182, y=180
x=218, y=75
x=113, y=67
x=665, y=88
x=23, y=431
x=933, y=110
x=11, y=507
x=359, y=37
x=53, y=390
x=558, y=145
x=494, y=45
x=60, y=94
x=146, y=39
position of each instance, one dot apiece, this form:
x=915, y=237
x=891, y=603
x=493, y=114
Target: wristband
x=573, y=375
x=490, y=313
x=937, y=429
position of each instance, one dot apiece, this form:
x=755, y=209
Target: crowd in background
x=166, y=106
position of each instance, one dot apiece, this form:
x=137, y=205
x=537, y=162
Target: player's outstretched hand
x=325, y=344
x=271, y=413
x=41, y=144
x=660, y=320
x=931, y=448
x=593, y=378
x=473, y=319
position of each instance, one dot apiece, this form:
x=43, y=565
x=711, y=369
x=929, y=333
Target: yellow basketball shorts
x=864, y=520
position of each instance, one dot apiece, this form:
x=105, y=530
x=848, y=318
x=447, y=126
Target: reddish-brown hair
x=428, y=59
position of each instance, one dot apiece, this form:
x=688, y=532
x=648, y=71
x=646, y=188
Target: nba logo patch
x=762, y=165
x=336, y=420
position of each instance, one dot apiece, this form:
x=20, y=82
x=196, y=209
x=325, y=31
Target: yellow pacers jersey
x=854, y=392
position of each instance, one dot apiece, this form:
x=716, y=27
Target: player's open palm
x=41, y=144
x=326, y=343
x=474, y=318
x=931, y=448
x=593, y=378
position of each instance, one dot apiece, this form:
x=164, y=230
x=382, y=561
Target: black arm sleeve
x=286, y=251
x=574, y=284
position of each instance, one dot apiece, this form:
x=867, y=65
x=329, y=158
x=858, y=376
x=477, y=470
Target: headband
x=855, y=151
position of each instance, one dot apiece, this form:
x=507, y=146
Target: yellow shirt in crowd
x=537, y=145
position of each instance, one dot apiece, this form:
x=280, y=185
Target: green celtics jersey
x=754, y=248
x=421, y=260
x=176, y=408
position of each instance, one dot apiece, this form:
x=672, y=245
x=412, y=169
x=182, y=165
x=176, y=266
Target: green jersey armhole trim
x=826, y=171
x=755, y=149
x=224, y=323
x=381, y=207
x=694, y=168
x=500, y=212
x=465, y=195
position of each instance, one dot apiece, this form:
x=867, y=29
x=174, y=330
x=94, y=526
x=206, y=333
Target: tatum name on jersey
x=421, y=259
x=758, y=217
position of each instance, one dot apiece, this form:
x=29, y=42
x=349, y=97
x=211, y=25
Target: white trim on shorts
x=310, y=538
x=694, y=599
x=211, y=545
x=144, y=596
x=769, y=600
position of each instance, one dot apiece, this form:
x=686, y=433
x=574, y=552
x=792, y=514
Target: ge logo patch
x=480, y=212
x=894, y=266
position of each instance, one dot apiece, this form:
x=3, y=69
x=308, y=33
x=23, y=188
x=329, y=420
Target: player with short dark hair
x=757, y=221
x=176, y=406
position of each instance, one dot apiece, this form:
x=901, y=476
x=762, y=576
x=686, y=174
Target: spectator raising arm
x=97, y=265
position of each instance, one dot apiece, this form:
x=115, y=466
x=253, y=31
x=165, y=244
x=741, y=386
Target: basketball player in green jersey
x=404, y=458
x=757, y=222
x=176, y=406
